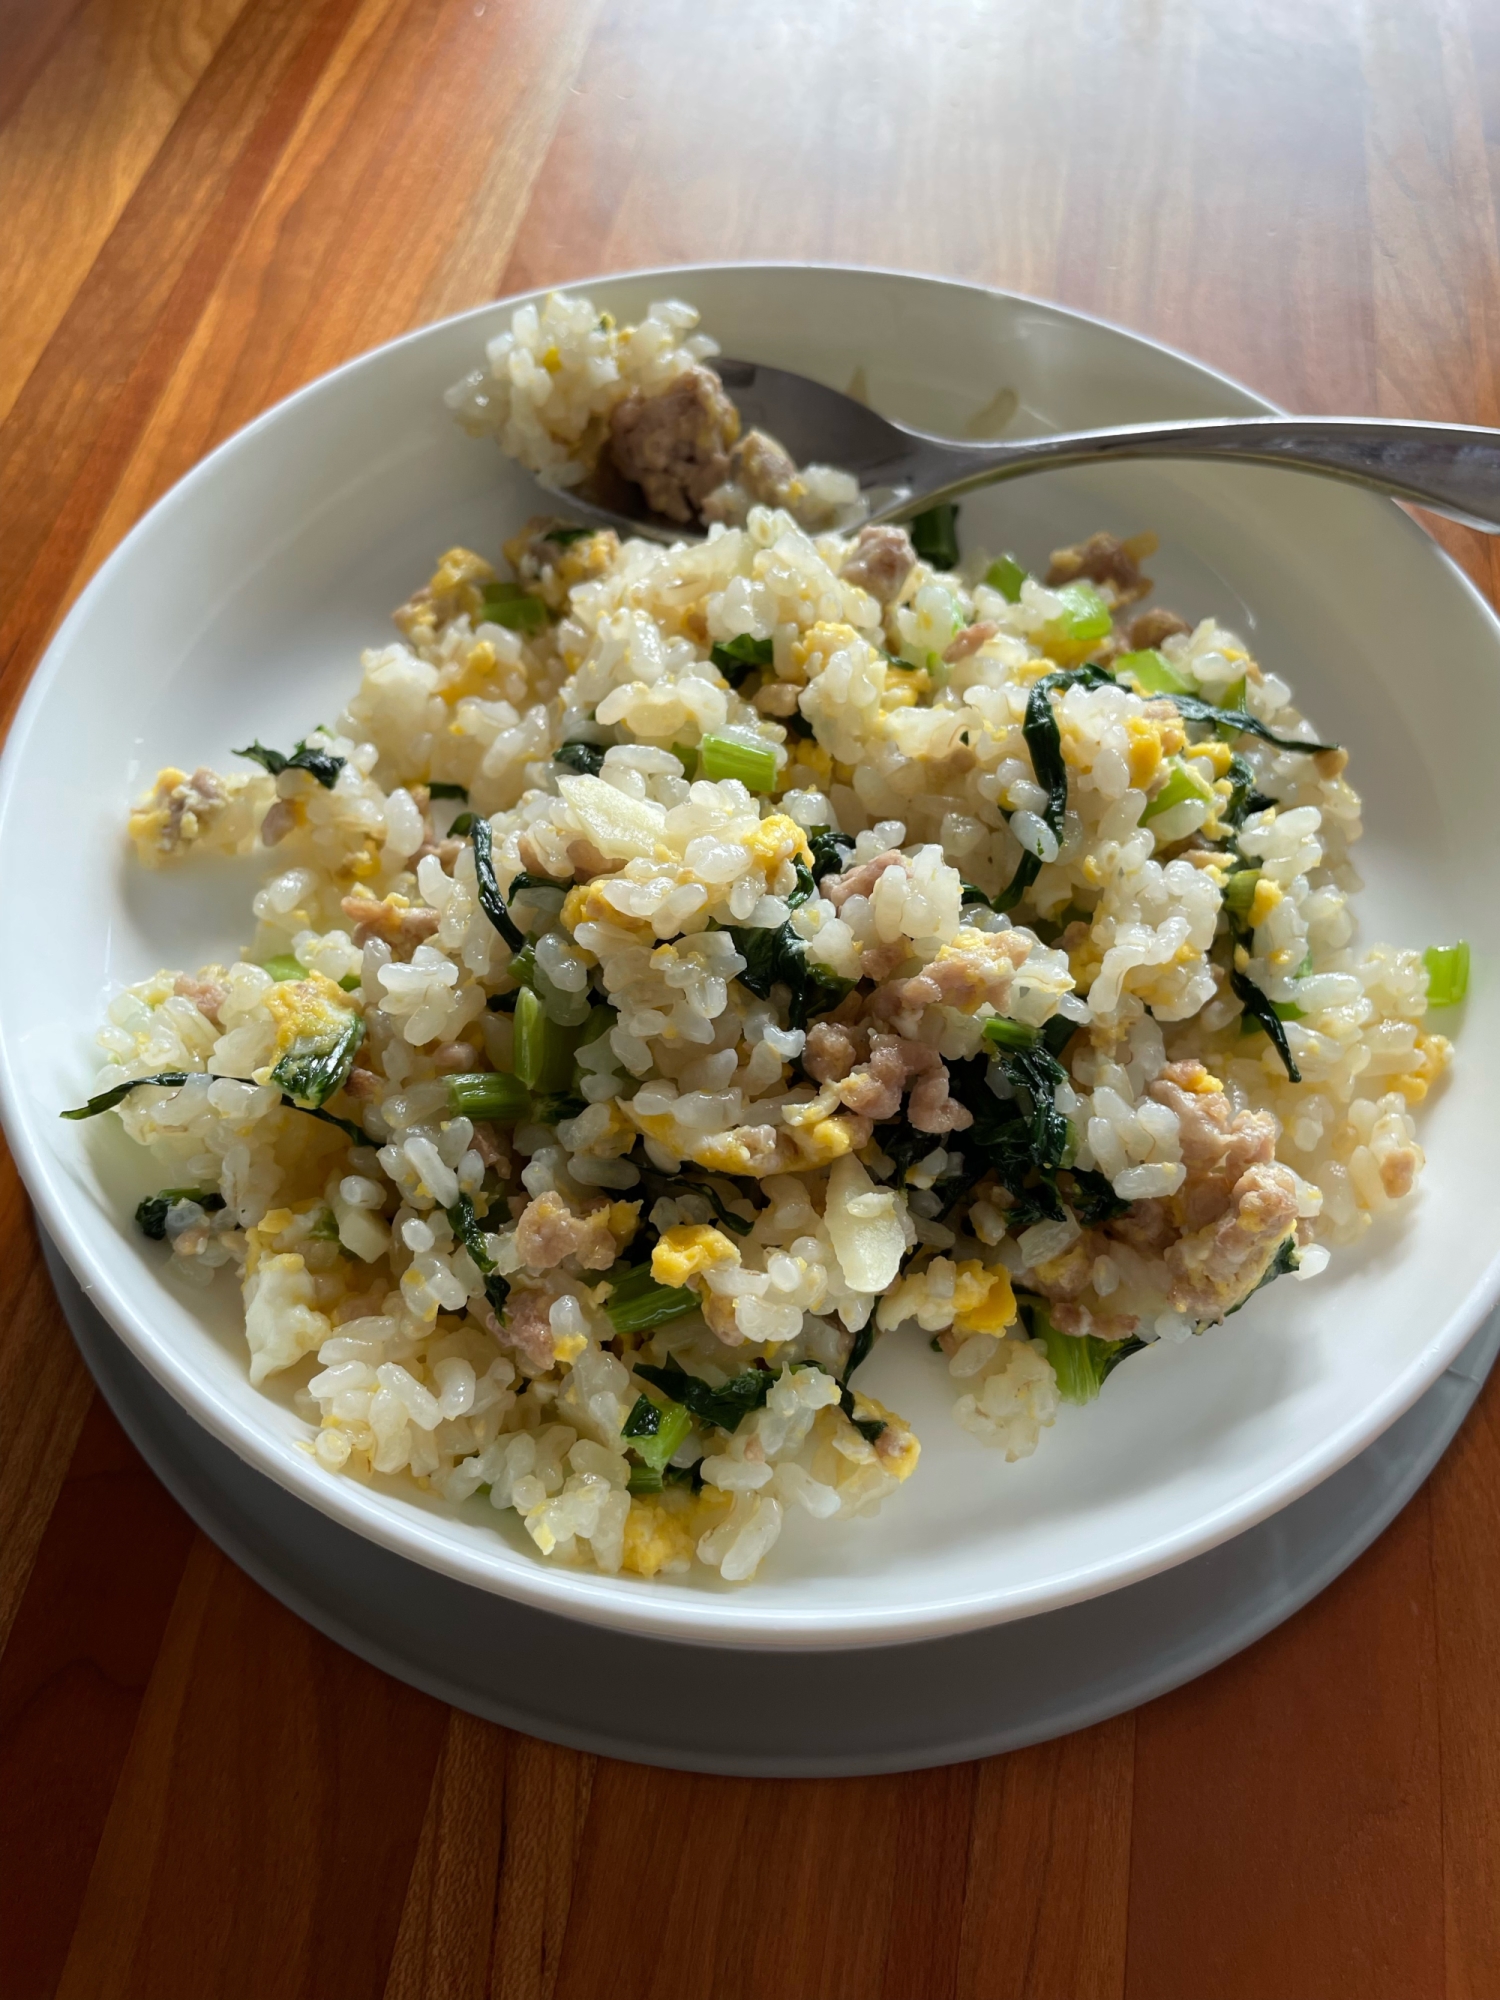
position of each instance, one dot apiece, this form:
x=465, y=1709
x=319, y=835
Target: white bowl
x=238, y=607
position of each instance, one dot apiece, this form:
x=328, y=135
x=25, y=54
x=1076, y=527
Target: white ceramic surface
x=973, y=1694
x=237, y=608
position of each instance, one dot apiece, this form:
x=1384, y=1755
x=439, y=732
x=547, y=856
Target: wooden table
x=206, y=203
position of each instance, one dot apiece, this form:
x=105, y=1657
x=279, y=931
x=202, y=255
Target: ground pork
x=490, y=1146
x=1149, y=628
x=970, y=640
x=1218, y=1146
x=874, y=1089
x=1105, y=559
x=675, y=445
x=403, y=926
x=833, y=1049
x=526, y=1328
x=880, y=562
x=207, y=995
x=860, y=880
x=1216, y=1267
x=549, y=1231
x=959, y=978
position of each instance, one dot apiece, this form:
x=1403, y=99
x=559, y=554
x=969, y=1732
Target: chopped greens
x=151, y=1214
x=934, y=535
x=566, y=537
x=350, y=1130
x=319, y=764
x=285, y=966
x=1447, y=973
x=544, y=1048
x=439, y=788
x=315, y=1069
x=780, y=955
x=1044, y=741
x=711, y=1195
x=488, y=1093
x=830, y=851
x=1081, y=1362
x=1094, y=1199
x=1238, y=720
x=1183, y=783
x=108, y=1099
x=1003, y=1034
x=1151, y=672
x=656, y=1430
x=526, y=881
x=463, y=824
x=465, y=1227
x=753, y=764
x=513, y=606
x=1084, y=619
x=1006, y=575
x=737, y=659
x=638, y=1302
x=490, y=899
x=805, y=888
x=726, y=1408
x=587, y=759
x=1260, y=1008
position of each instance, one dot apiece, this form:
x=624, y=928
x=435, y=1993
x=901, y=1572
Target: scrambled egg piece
x=778, y=838
x=1434, y=1053
x=983, y=1301
x=1267, y=896
x=666, y=1528
x=691, y=1247
x=897, y=1448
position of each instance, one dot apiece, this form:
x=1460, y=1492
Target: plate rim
x=708, y=1617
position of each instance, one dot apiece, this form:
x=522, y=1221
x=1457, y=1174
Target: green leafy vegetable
x=1094, y=1200
x=152, y=1213
x=1044, y=741
x=587, y=759
x=638, y=1302
x=1263, y=1010
x=1447, y=973
x=285, y=966
x=1003, y=1034
x=439, y=788
x=830, y=851
x=465, y=1227
x=934, y=535
x=1081, y=1362
x=711, y=1195
x=319, y=764
x=737, y=659
x=108, y=1099
x=726, y=1408
x=1183, y=783
x=318, y=1066
x=511, y=605
x=490, y=899
x=656, y=1431
x=1151, y=672
x=1084, y=618
x=1239, y=898
x=806, y=886
x=350, y=1130
x=565, y=537
x=1006, y=575
x=488, y=1093
x=463, y=824
x=780, y=955
x=1239, y=721
x=544, y=1049
x=753, y=764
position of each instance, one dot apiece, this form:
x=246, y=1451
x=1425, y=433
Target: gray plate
x=897, y=1708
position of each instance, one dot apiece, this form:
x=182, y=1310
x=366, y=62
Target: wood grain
x=208, y=202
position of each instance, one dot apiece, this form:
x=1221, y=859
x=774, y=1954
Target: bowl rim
x=633, y=1604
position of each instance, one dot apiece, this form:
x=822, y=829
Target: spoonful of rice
x=648, y=430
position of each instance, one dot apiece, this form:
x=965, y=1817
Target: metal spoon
x=1452, y=468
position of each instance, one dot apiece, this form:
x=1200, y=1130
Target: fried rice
x=681, y=967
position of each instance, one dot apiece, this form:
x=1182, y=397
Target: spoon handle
x=1452, y=468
